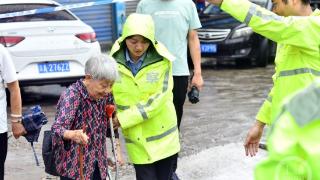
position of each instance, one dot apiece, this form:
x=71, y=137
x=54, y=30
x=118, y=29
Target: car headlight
x=246, y=31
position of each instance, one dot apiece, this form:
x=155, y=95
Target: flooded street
x=228, y=104
x=212, y=131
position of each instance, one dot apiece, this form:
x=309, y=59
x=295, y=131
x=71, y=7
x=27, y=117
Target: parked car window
x=53, y=16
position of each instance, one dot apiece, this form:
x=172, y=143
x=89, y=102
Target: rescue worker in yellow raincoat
x=295, y=28
x=293, y=141
x=143, y=95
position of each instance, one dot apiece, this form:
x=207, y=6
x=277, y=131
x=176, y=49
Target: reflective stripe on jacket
x=298, y=56
x=145, y=101
x=293, y=143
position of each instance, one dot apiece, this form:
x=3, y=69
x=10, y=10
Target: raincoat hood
x=141, y=24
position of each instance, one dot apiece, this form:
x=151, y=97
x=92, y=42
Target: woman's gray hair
x=102, y=67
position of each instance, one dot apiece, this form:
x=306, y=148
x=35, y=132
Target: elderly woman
x=143, y=96
x=80, y=128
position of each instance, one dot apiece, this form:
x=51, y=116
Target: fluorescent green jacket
x=145, y=101
x=293, y=142
x=298, y=56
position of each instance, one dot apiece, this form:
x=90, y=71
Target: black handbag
x=48, y=154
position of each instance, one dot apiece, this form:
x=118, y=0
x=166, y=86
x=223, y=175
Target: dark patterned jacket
x=76, y=110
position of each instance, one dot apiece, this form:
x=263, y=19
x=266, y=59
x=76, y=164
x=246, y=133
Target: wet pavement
x=212, y=131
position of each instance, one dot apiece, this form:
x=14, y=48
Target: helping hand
x=251, y=143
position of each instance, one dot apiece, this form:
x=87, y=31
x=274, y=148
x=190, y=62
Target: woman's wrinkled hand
x=77, y=136
x=80, y=137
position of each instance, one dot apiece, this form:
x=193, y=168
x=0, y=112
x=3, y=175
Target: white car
x=48, y=48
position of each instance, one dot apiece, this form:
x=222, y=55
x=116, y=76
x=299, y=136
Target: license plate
x=208, y=48
x=51, y=67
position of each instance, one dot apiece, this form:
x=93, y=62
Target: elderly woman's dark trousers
x=3, y=152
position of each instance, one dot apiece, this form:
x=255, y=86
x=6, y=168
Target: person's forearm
x=194, y=46
x=16, y=109
x=15, y=99
x=195, y=53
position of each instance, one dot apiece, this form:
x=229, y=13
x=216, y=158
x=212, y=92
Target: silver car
x=47, y=48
